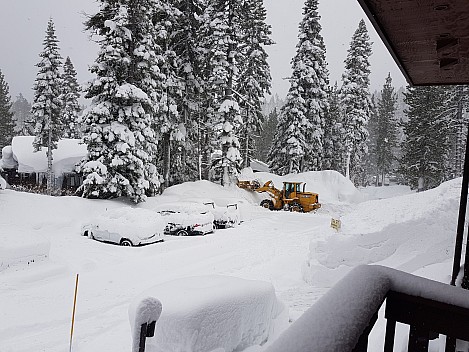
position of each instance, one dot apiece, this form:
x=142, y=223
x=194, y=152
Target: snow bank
x=406, y=232
x=336, y=321
x=3, y=183
x=21, y=248
x=208, y=313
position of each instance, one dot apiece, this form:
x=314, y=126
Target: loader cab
x=290, y=189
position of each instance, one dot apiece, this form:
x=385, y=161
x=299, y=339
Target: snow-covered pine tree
x=373, y=130
x=126, y=93
x=355, y=102
x=253, y=79
x=264, y=141
x=426, y=144
x=386, y=136
x=6, y=114
x=71, y=107
x=333, y=132
x=221, y=33
x=47, y=106
x=170, y=131
x=458, y=118
x=300, y=144
x=185, y=42
x=22, y=116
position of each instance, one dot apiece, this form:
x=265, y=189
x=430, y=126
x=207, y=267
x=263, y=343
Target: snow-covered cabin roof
x=259, y=166
x=68, y=153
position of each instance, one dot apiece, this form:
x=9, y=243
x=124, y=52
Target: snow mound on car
x=131, y=221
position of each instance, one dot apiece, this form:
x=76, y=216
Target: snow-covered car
x=186, y=219
x=126, y=227
x=224, y=217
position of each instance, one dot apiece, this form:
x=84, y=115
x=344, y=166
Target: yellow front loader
x=290, y=197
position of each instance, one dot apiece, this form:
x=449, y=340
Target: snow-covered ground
x=300, y=255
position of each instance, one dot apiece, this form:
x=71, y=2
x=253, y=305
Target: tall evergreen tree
x=426, y=145
x=456, y=111
x=22, y=116
x=71, y=107
x=253, y=79
x=221, y=35
x=333, y=132
x=6, y=114
x=355, y=101
x=186, y=41
x=301, y=127
x=386, y=137
x=264, y=141
x=126, y=97
x=47, y=106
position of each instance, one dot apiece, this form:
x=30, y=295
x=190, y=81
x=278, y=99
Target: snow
x=300, y=255
x=208, y=313
x=134, y=224
x=68, y=153
x=143, y=311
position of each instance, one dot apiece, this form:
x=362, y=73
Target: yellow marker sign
x=335, y=224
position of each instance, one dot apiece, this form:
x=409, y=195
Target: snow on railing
x=342, y=319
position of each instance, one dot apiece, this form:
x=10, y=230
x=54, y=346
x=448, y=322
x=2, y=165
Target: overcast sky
x=24, y=24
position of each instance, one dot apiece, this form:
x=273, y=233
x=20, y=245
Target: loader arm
x=269, y=188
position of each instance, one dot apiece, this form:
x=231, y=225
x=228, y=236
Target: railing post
x=418, y=339
x=390, y=333
x=362, y=344
x=450, y=345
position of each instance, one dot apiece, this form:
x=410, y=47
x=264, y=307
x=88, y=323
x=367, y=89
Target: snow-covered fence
x=343, y=318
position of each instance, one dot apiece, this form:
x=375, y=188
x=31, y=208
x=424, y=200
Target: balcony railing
x=344, y=317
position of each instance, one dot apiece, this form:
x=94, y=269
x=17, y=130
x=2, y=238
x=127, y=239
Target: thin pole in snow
x=73, y=313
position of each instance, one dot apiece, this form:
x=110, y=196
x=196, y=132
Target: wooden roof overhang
x=428, y=39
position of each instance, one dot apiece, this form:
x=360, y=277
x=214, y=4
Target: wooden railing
x=344, y=317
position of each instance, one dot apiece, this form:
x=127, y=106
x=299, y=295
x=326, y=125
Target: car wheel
x=268, y=204
x=125, y=242
x=182, y=233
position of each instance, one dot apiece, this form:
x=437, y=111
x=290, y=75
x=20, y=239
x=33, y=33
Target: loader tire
x=296, y=207
x=268, y=204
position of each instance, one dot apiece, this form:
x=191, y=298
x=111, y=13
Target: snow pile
x=208, y=313
x=21, y=248
x=405, y=232
x=331, y=186
x=8, y=161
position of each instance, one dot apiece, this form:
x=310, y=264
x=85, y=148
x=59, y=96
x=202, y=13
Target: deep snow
x=299, y=254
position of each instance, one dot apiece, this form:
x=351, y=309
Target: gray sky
x=24, y=24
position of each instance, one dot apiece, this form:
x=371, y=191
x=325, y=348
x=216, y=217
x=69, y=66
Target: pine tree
x=22, y=116
x=373, y=130
x=264, y=141
x=71, y=107
x=426, y=145
x=221, y=34
x=6, y=114
x=457, y=122
x=47, y=106
x=126, y=97
x=185, y=42
x=386, y=137
x=302, y=123
x=253, y=79
x=355, y=101
x=333, y=132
